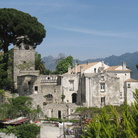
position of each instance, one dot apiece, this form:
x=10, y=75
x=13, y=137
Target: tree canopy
x=23, y=131
x=6, y=83
x=19, y=106
x=62, y=66
x=13, y=25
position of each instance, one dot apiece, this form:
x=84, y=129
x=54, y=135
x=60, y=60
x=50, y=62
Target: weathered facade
x=90, y=85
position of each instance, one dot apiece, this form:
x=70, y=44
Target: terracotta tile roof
x=16, y=121
x=85, y=66
x=114, y=68
x=131, y=80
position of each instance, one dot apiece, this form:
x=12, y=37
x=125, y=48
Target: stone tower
x=24, y=60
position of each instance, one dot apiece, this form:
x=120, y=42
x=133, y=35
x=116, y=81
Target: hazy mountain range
x=131, y=60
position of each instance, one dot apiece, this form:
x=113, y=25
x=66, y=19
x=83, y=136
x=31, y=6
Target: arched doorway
x=74, y=97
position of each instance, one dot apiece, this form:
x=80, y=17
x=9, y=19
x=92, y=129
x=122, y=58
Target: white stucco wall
x=66, y=84
x=129, y=91
x=96, y=67
x=94, y=93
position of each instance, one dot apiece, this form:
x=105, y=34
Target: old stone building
x=89, y=85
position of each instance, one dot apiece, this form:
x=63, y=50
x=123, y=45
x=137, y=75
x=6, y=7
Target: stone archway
x=74, y=97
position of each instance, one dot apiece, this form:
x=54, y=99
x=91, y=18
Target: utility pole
x=64, y=127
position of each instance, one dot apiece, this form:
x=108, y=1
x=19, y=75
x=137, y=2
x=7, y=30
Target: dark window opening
x=129, y=86
x=59, y=114
x=49, y=98
x=36, y=88
x=74, y=98
x=48, y=78
x=29, y=83
x=102, y=101
x=94, y=70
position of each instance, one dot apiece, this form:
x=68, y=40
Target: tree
x=19, y=106
x=17, y=27
x=23, y=131
x=39, y=64
x=63, y=97
x=6, y=83
x=62, y=66
x=2, y=95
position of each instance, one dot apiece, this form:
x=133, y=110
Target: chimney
x=123, y=66
x=81, y=69
x=102, y=63
x=69, y=69
x=75, y=68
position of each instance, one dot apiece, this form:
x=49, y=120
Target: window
x=102, y=78
x=59, y=114
x=121, y=95
x=71, y=85
x=49, y=98
x=102, y=101
x=74, y=98
x=128, y=86
x=29, y=83
x=36, y=88
x=102, y=85
x=48, y=78
x=94, y=70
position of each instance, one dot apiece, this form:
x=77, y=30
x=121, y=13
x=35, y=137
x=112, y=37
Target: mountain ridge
x=131, y=60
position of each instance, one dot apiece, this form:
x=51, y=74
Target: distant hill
x=131, y=60
x=49, y=62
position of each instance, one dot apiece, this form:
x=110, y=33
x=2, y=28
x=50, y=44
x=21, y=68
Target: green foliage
x=62, y=66
x=14, y=24
x=114, y=123
x=88, y=112
x=6, y=83
x=25, y=66
x=60, y=120
x=39, y=65
x=2, y=94
x=63, y=97
x=23, y=131
x=19, y=106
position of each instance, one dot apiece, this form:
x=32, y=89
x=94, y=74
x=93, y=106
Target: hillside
x=131, y=60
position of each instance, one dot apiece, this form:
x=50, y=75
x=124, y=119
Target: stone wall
x=95, y=93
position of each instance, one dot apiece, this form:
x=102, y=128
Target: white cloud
x=99, y=33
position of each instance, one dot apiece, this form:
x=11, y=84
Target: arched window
x=74, y=97
x=49, y=98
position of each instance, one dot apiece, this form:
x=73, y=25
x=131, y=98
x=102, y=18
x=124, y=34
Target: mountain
x=131, y=60
x=49, y=62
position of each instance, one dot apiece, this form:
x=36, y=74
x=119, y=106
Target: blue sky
x=84, y=29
